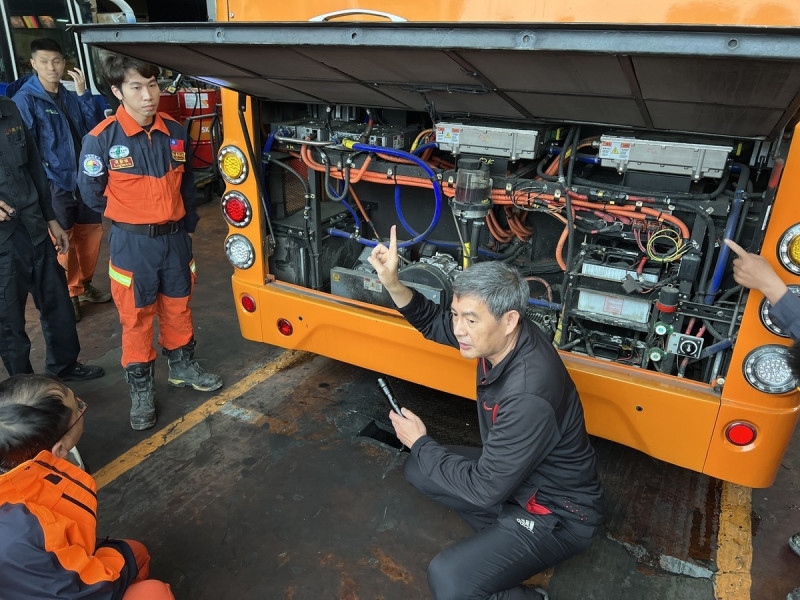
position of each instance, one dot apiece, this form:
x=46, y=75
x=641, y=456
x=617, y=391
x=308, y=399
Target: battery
x=695, y=160
x=467, y=138
x=628, y=308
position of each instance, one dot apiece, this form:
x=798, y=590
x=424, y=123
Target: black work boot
x=143, y=408
x=184, y=370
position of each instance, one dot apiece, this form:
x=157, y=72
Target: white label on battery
x=620, y=307
x=196, y=100
x=612, y=305
x=373, y=285
x=447, y=134
x=615, y=150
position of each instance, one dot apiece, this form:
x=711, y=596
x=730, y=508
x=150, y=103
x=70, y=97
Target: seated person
x=48, y=541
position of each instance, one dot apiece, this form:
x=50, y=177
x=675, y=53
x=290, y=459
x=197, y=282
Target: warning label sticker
x=615, y=149
x=373, y=285
x=447, y=134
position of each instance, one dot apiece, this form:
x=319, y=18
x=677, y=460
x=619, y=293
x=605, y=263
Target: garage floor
x=285, y=483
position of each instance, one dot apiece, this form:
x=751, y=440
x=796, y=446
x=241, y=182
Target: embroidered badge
x=119, y=151
x=175, y=145
x=179, y=156
x=120, y=163
x=92, y=165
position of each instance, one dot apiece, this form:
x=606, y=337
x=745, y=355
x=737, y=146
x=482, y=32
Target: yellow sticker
x=120, y=163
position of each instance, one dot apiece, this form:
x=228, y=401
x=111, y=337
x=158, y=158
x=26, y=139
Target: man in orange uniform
x=136, y=168
x=48, y=539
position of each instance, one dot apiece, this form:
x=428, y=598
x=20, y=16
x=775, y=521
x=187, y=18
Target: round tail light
x=236, y=209
x=740, y=433
x=248, y=303
x=232, y=164
x=767, y=369
x=285, y=327
x=789, y=249
x=240, y=251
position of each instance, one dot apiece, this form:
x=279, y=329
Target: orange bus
x=604, y=150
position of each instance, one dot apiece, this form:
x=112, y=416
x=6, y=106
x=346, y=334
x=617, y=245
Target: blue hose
x=713, y=349
x=437, y=191
x=544, y=304
x=730, y=227
x=422, y=149
x=343, y=200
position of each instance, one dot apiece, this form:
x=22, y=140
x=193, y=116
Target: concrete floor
x=276, y=486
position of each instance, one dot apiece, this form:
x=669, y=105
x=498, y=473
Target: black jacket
x=536, y=451
x=787, y=313
x=23, y=180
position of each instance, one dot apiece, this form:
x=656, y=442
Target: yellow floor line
x=734, y=544
x=145, y=448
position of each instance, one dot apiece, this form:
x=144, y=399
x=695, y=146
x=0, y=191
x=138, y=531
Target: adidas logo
x=526, y=523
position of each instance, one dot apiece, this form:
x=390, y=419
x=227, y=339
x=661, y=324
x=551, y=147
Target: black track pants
x=509, y=545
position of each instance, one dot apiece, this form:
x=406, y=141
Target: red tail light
x=740, y=434
x=285, y=327
x=248, y=303
x=236, y=209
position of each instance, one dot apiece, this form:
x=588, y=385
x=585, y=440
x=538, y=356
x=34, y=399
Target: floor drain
x=376, y=432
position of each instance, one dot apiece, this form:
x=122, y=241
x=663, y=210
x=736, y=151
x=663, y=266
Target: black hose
x=711, y=234
x=540, y=169
x=306, y=226
x=714, y=333
x=346, y=177
x=728, y=293
x=262, y=195
x=513, y=254
x=572, y=135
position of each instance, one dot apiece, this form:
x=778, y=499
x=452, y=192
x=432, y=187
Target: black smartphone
x=387, y=391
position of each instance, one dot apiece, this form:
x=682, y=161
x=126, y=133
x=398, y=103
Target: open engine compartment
x=617, y=230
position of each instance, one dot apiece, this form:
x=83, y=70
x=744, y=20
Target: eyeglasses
x=82, y=406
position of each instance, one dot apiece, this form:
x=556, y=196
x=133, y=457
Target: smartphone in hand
x=387, y=391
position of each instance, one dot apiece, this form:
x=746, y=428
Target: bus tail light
x=240, y=251
x=765, y=314
x=236, y=209
x=248, y=303
x=789, y=249
x=285, y=327
x=740, y=433
x=767, y=369
x=232, y=164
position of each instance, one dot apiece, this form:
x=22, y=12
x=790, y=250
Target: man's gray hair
x=497, y=284
x=33, y=417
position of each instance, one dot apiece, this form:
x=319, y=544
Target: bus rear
x=604, y=154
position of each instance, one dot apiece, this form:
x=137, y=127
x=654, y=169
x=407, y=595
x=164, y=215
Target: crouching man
x=531, y=493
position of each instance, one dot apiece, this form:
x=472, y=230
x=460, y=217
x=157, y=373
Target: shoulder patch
x=92, y=165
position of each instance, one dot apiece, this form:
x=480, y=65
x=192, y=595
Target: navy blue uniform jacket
x=50, y=128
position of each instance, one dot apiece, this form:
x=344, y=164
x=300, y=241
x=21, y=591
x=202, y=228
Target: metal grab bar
x=346, y=12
